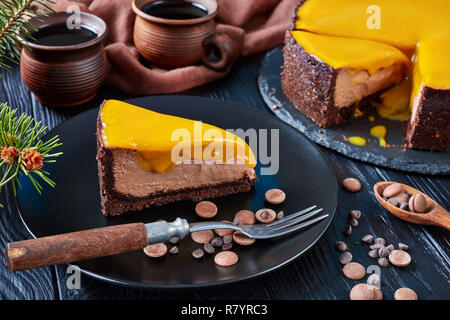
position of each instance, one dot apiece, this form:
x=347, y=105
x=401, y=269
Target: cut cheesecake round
x=329, y=79
x=147, y=158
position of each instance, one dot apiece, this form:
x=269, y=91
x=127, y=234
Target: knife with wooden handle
x=89, y=244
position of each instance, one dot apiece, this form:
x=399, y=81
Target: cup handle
x=219, y=51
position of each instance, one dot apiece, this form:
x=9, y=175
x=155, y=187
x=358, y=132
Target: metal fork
x=284, y=226
x=106, y=241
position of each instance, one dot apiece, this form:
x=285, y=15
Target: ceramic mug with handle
x=170, y=40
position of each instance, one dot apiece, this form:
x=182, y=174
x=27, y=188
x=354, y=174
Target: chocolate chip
x=399, y=258
x=348, y=230
x=341, y=246
x=351, y=184
x=390, y=247
x=380, y=240
x=402, y=246
x=203, y=236
x=227, y=246
x=405, y=294
x=355, y=214
x=353, y=222
x=392, y=190
x=226, y=258
x=364, y=291
x=373, y=254
x=417, y=203
x=393, y=201
x=206, y=209
x=280, y=215
x=401, y=197
x=224, y=232
x=208, y=247
x=217, y=242
x=242, y=239
x=354, y=271
x=227, y=239
x=345, y=257
x=383, y=252
x=155, y=250
x=174, y=240
x=245, y=217
x=411, y=204
x=198, y=253
x=367, y=239
x=383, y=262
x=275, y=196
x=173, y=250
x=265, y=215
x=376, y=246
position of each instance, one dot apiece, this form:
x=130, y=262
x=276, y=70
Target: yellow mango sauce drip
x=418, y=28
x=156, y=136
x=357, y=141
x=395, y=102
x=379, y=132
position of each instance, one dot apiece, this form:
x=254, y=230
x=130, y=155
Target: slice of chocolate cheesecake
x=323, y=78
x=147, y=158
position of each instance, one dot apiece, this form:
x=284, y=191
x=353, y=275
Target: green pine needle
x=23, y=134
x=15, y=26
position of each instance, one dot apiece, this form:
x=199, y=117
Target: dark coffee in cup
x=60, y=35
x=176, y=10
x=65, y=67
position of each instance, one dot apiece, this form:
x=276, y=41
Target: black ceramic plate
x=269, y=83
x=304, y=173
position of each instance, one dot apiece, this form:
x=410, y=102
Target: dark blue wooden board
x=316, y=275
x=395, y=157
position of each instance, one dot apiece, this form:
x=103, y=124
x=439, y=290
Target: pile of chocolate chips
x=398, y=197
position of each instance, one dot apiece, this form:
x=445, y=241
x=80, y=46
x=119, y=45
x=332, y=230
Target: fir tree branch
x=15, y=26
x=22, y=152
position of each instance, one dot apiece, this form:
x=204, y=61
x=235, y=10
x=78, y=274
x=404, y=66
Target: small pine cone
x=33, y=160
x=10, y=154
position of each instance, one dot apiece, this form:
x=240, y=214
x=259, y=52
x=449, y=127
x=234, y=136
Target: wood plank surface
x=315, y=275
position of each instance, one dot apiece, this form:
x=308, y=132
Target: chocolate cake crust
x=430, y=130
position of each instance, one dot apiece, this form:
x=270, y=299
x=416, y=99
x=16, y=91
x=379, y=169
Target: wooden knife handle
x=75, y=246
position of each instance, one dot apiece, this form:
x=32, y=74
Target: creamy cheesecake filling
x=130, y=178
x=352, y=87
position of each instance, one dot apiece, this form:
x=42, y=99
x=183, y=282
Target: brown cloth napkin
x=255, y=25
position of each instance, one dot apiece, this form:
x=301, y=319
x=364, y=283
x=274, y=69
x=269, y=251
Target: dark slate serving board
x=396, y=157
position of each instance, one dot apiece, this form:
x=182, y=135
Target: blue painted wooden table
x=315, y=275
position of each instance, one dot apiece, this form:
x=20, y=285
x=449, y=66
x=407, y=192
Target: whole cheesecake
x=337, y=59
x=147, y=158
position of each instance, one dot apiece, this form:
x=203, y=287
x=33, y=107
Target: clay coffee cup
x=70, y=74
x=171, y=41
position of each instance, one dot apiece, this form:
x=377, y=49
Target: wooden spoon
x=435, y=214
